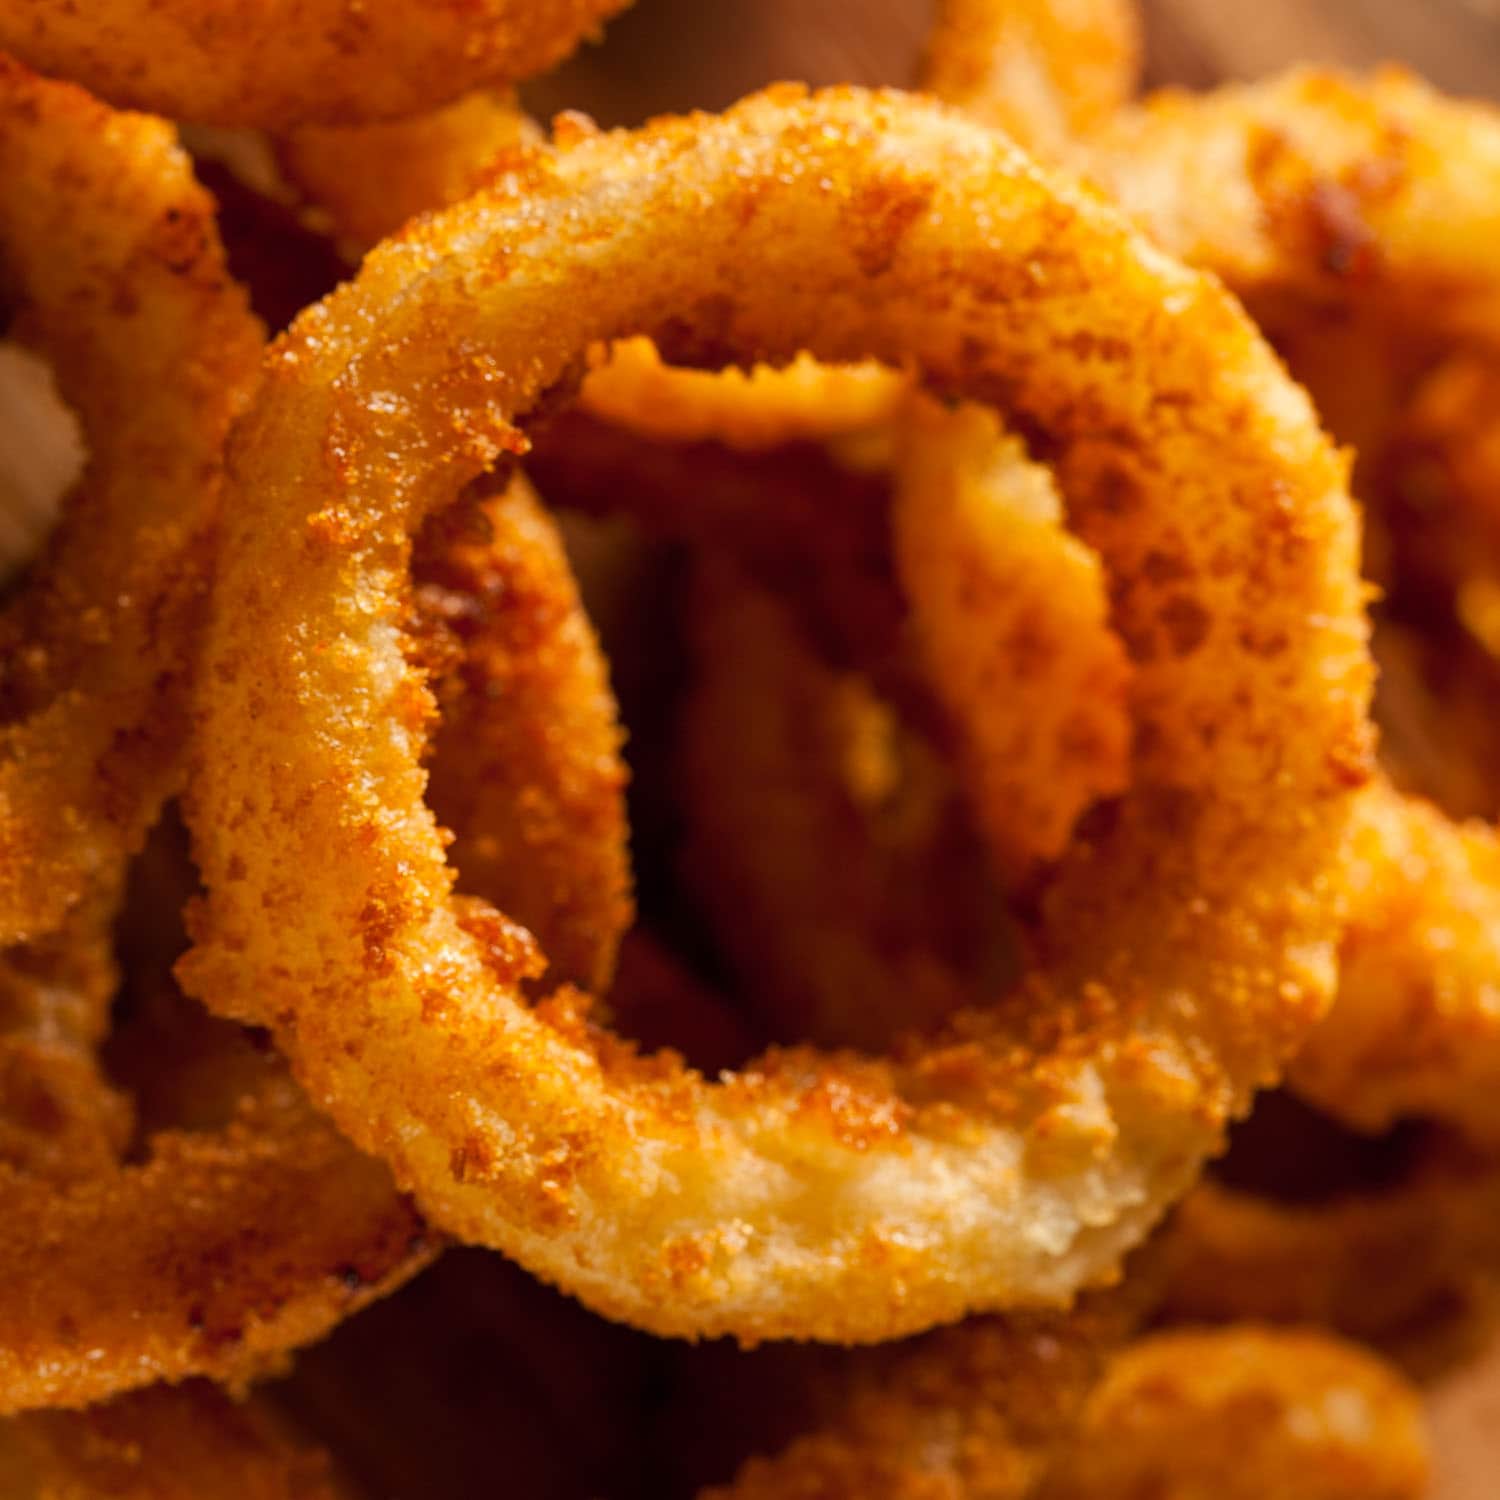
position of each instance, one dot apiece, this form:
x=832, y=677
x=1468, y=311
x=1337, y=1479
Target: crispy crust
x=1019, y=1156
x=1372, y=1263
x=526, y=763
x=282, y=63
x=1243, y=1413
x=122, y=287
x=366, y=181
x=193, y=1443
x=1047, y=71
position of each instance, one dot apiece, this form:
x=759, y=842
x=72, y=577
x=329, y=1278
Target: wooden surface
x=677, y=54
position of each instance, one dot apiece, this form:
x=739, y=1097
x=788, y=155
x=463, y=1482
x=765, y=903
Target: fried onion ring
x=982, y=1409
x=1041, y=691
x=526, y=763
x=1243, y=1413
x=1046, y=71
x=811, y=1194
x=1330, y=190
x=246, y=1225
x=288, y=63
x=192, y=1443
x=366, y=181
x=1376, y=1260
x=96, y=648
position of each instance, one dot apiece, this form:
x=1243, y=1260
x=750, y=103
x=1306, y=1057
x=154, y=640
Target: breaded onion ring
x=984, y=1409
x=366, y=181
x=231, y=1239
x=1416, y=1029
x=1018, y=1156
x=155, y=1267
x=1046, y=71
x=1040, y=692
x=1372, y=1263
x=112, y=260
x=282, y=63
x=1360, y=193
x=1245, y=1413
x=249, y=1224
x=526, y=761
x=192, y=1443
x=1342, y=209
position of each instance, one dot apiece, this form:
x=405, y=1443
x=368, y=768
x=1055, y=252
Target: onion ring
x=1046, y=71
x=978, y=528
x=1312, y=192
x=1373, y=194
x=1372, y=1264
x=190, y=1286
x=97, y=646
x=288, y=63
x=1244, y=1413
x=982, y=1409
x=756, y=1207
x=526, y=765
x=233, y=1239
x=192, y=1443
x=366, y=181
x=1415, y=1030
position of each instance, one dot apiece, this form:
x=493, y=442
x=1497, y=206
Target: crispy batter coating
x=1363, y=213
x=980, y=1411
x=763, y=407
x=366, y=181
x=230, y=1224
x=115, y=268
x=1041, y=692
x=1243, y=1414
x=1046, y=71
x=1019, y=1155
x=1372, y=1262
x=1416, y=1028
x=282, y=63
x=192, y=1443
x=142, y=1256
x=526, y=764
x=1322, y=188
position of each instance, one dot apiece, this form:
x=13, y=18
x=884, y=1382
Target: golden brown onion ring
x=366, y=181
x=232, y=1238
x=1046, y=71
x=1415, y=1030
x=1040, y=693
x=983, y=1409
x=1021, y=1155
x=1363, y=193
x=526, y=761
x=247, y=1224
x=281, y=63
x=1242, y=1414
x=1372, y=1263
x=114, y=266
x=1372, y=202
x=192, y=1443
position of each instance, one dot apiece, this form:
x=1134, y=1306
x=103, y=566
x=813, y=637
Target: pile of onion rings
x=841, y=855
